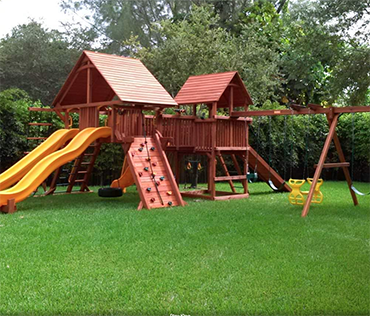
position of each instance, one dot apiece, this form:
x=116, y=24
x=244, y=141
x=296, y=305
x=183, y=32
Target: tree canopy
x=36, y=60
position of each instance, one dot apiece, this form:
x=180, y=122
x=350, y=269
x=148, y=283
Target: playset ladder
x=141, y=168
x=84, y=168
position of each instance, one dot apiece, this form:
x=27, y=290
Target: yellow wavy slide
x=18, y=170
x=48, y=164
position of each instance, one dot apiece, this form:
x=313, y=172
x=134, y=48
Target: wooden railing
x=186, y=131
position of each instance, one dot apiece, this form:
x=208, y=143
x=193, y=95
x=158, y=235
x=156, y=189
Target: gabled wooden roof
x=213, y=88
x=122, y=78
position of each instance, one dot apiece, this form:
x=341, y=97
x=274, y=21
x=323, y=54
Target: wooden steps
x=79, y=164
x=153, y=177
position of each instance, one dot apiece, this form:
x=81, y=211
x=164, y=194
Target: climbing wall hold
x=158, y=183
x=141, y=149
x=153, y=174
x=142, y=144
x=132, y=154
x=169, y=203
x=154, y=164
x=149, y=189
x=152, y=148
x=140, y=174
x=146, y=169
x=161, y=178
x=152, y=200
x=169, y=192
x=148, y=159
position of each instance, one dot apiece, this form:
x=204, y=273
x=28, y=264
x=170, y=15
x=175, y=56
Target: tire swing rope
x=149, y=159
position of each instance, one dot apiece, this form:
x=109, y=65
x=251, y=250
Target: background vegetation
x=286, y=51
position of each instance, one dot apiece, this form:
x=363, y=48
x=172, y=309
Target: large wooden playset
x=122, y=90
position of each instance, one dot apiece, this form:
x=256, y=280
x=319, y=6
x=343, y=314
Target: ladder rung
x=36, y=137
x=334, y=165
x=226, y=178
x=26, y=152
x=83, y=171
x=80, y=180
x=85, y=163
x=88, y=154
x=40, y=124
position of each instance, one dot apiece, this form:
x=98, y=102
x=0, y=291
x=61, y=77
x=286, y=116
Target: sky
x=15, y=12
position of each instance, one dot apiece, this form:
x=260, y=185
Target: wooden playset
x=122, y=90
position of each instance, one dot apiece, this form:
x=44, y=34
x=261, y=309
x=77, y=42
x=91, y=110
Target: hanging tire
x=110, y=192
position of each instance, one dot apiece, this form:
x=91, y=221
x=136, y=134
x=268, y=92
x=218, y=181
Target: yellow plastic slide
x=47, y=165
x=124, y=181
x=18, y=170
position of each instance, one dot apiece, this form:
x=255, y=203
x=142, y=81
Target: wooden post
x=231, y=101
x=177, y=166
x=246, y=161
x=10, y=207
x=158, y=124
x=140, y=122
x=114, y=123
x=194, y=109
x=320, y=164
x=88, y=90
x=231, y=109
x=53, y=184
x=212, y=167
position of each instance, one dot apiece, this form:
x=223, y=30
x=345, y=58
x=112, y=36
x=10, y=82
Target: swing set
x=314, y=195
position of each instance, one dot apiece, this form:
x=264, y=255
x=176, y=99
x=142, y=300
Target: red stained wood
x=214, y=88
x=127, y=78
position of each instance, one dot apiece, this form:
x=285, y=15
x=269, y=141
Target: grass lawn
x=83, y=255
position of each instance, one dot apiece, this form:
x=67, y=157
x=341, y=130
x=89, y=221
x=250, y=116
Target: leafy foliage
x=198, y=45
x=35, y=60
x=13, y=114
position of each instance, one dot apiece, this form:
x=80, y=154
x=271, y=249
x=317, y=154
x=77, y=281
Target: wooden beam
x=337, y=110
x=228, y=178
x=320, y=165
x=40, y=109
x=334, y=165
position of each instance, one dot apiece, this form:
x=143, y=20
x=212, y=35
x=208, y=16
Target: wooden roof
x=122, y=78
x=214, y=88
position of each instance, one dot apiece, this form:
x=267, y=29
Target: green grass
x=83, y=255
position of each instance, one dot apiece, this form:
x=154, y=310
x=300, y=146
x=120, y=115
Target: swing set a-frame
x=332, y=114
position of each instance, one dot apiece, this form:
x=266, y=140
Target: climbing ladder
x=152, y=174
x=80, y=172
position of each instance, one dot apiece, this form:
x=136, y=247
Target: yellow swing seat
x=298, y=197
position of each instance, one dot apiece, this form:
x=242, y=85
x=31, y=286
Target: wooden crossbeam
x=335, y=110
x=334, y=165
x=228, y=178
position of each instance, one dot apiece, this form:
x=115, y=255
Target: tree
x=13, y=115
x=198, y=45
x=115, y=21
x=36, y=60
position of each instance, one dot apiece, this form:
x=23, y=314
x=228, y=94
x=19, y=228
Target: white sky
x=15, y=12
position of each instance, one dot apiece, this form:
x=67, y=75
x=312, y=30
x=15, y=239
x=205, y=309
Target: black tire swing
x=110, y=192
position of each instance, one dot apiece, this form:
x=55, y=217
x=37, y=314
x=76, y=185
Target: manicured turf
x=83, y=255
